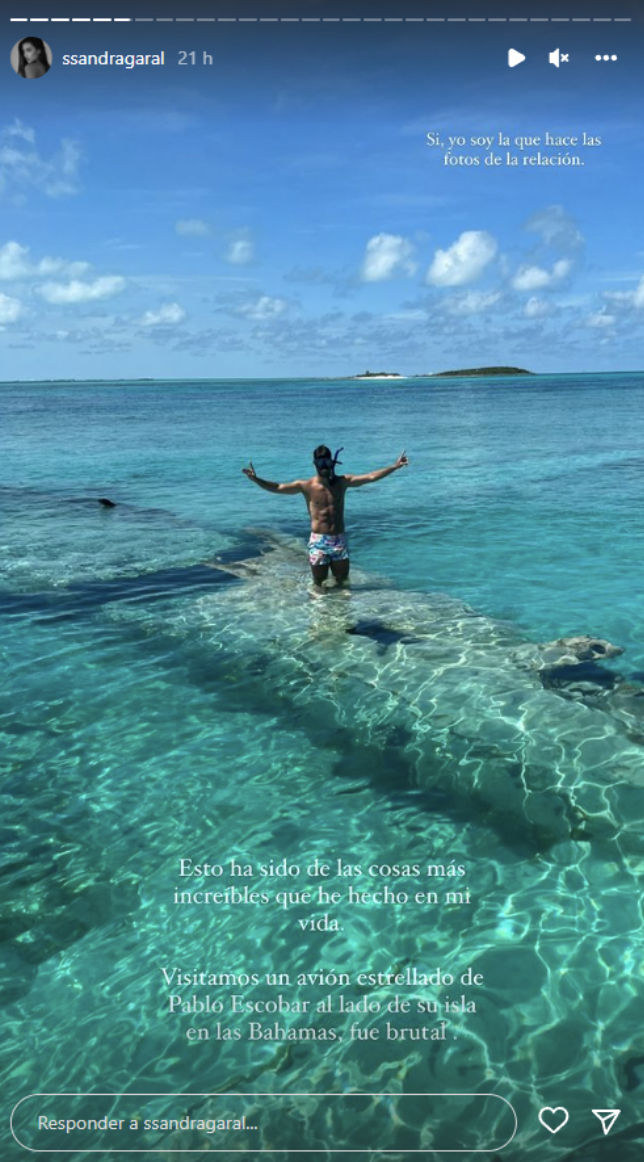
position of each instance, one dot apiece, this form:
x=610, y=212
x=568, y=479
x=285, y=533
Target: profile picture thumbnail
x=31, y=58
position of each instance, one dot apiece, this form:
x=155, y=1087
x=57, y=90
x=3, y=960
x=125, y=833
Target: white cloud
x=240, y=252
x=601, y=319
x=385, y=256
x=20, y=130
x=634, y=298
x=473, y=302
x=62, y=180
x=10, y=309
x=15, y=265
x=464, y=261
x=530, y=278
x=536, y=308
x=63, y=294
x=192, y=227
x=556, y=228
x=638, y=294
x=409, y=315
x=167, y=315
x=21, y=165
x=620, y=296
x=263, y=308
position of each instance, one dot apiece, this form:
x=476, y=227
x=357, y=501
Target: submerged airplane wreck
x=542, y=742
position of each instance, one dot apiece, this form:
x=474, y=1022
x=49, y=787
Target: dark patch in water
x=633, y=1073
x=259, y=665
x=569, y=675
x=84, y=596
x=241, y=551
x=19, y=728
x=383, y=635
x=631, y=462
x=399, y=736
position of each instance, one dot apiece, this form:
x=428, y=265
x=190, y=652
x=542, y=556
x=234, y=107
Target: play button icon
x=515, y=58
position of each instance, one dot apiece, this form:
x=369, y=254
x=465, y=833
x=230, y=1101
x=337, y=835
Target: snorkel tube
x=335, y=461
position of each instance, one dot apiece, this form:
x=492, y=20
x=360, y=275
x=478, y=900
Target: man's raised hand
x=250, y=471
x=402, y=460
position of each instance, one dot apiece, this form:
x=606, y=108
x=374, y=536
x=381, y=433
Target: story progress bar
x=320, y=19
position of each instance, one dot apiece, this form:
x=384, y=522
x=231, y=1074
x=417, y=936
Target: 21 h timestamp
x=190, y=58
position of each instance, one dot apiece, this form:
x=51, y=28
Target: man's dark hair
x=322, y=451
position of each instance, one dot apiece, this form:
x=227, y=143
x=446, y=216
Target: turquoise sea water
x=154, y=708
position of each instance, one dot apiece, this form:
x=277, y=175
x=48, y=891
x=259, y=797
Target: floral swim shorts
x=326, y=547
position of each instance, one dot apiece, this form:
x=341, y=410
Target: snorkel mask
x=328, y=462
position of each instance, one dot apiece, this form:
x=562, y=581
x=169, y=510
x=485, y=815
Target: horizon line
x=360, y=377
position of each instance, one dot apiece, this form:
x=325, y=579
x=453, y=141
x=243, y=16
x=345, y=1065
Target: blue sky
x=280, y=212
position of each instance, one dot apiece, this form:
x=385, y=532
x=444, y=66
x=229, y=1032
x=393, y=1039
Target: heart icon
x=558, y=1118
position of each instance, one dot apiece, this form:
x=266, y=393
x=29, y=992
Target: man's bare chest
x=320, y=497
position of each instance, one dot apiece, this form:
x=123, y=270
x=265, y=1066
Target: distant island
x=483, y=371
x=467, y=371
x=379, y=375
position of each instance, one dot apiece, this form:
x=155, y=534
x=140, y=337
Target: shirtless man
x=324, y=495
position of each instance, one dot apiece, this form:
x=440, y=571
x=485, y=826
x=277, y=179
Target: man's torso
x=325, y=503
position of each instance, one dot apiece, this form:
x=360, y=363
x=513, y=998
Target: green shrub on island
x=482, y=371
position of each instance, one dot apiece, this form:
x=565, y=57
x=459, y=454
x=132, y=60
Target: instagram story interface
x=322, y=455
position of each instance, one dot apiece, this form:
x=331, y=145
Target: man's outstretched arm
x=379, y=474
x=269, y=485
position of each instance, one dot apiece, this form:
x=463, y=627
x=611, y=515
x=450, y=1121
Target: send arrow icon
x=607, y=1118
x=514, y=57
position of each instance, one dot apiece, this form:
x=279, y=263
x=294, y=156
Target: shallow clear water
x=154, y=708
